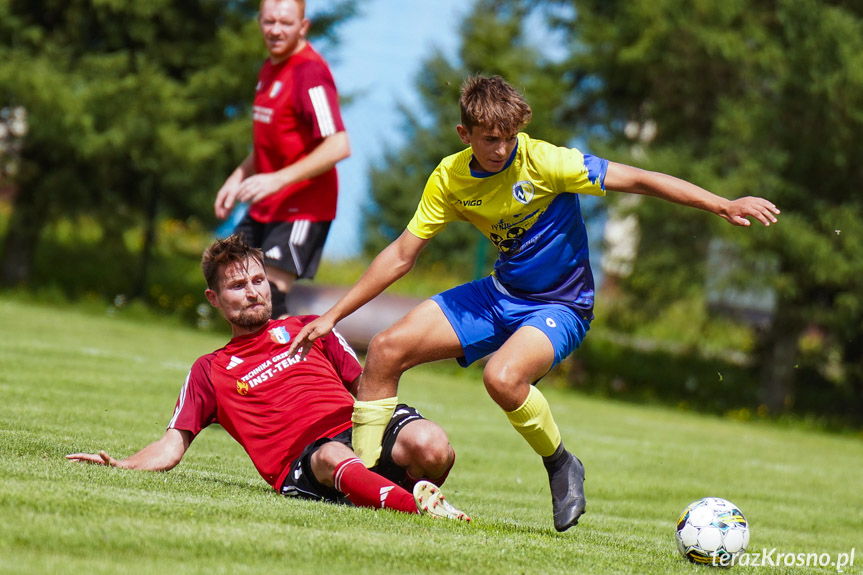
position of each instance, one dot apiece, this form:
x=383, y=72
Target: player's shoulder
x=308, y=61
x=531, y=145
x=203, y=365
x=303, y=319
x=308, y=52
x=545, y=156
x=293, y=323
x=454, y=165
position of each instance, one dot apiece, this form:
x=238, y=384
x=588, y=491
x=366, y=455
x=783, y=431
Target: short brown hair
x=222, y=253
x=494, y=104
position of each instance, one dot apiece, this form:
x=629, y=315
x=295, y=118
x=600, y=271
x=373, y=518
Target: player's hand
x=225, y=199
x=258, y=187
x=739, y=210
x=100, y=458
x=303, y=341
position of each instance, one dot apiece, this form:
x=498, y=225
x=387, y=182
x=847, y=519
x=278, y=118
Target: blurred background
x=119, y=121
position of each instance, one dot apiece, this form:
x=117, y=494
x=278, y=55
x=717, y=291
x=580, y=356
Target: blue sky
x=379, y=56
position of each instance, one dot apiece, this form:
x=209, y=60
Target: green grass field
x=74, y=381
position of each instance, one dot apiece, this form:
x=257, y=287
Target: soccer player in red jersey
x=292, y=414
x=289, y=179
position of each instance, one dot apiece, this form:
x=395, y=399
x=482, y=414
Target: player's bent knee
x=326, y=458
x=423, y=445
x=507, y=390
x=387, y=350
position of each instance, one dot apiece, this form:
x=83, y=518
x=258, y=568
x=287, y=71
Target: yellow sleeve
x=569, y=168
x=434, y=210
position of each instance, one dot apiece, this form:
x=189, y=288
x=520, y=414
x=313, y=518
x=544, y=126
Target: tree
x=493, y=41
x=749, y=98
x=136, y=109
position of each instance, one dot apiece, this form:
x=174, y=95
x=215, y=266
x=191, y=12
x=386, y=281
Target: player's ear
x=212, y=297
x=304, y=27
x=464, y=134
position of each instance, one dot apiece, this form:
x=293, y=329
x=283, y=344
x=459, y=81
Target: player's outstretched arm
x=392, y=263
x=623, y=178
x=161, y=455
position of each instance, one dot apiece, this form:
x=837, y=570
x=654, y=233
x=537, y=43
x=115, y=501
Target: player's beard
x=254, y=317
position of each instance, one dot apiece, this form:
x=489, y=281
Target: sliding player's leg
x=334, y=466
x=413, y=449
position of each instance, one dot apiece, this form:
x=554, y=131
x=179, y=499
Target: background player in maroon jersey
x=298, y=137
x=292, y=414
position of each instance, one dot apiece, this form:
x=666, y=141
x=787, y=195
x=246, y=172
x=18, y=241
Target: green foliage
x=422, y=282
x=104, y=382
x=136, y=110
x=77, y=264
x=118, y=100
x=748, y=98
x=641, y=371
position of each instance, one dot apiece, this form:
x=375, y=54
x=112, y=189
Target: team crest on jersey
x=242, y=387
x=274, y=91
x=280, y=335
x=523, y=191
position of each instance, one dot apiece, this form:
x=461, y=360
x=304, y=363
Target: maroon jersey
x=296, y=106
x=271, y=403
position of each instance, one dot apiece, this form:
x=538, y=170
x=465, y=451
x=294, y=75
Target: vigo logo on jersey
x=242, y=387
x=523, y=191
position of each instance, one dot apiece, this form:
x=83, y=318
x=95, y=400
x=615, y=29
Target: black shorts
x=295, y=247
x=301, y=482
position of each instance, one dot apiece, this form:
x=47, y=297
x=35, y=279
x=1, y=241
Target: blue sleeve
x=596, y=169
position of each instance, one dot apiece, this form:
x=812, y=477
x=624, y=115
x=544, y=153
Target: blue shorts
x=484, y=318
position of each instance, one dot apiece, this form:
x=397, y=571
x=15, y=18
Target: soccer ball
x=712, y=531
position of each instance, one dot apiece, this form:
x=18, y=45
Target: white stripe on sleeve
x=326, y=123
x=345, y=344
x=183, y=391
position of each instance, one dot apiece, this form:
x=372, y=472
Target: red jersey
x=296, y=107
x=272, y=404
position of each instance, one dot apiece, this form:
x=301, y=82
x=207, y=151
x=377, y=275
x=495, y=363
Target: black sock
x=554, y=461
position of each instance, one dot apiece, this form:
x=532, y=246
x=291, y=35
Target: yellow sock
x=533, y=420
x=370, y=421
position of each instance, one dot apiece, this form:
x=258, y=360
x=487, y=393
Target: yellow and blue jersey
x=530, y=210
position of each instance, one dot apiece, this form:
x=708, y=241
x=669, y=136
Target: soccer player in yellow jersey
x=536, y=307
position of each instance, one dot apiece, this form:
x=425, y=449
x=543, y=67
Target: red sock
x=366, y=488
